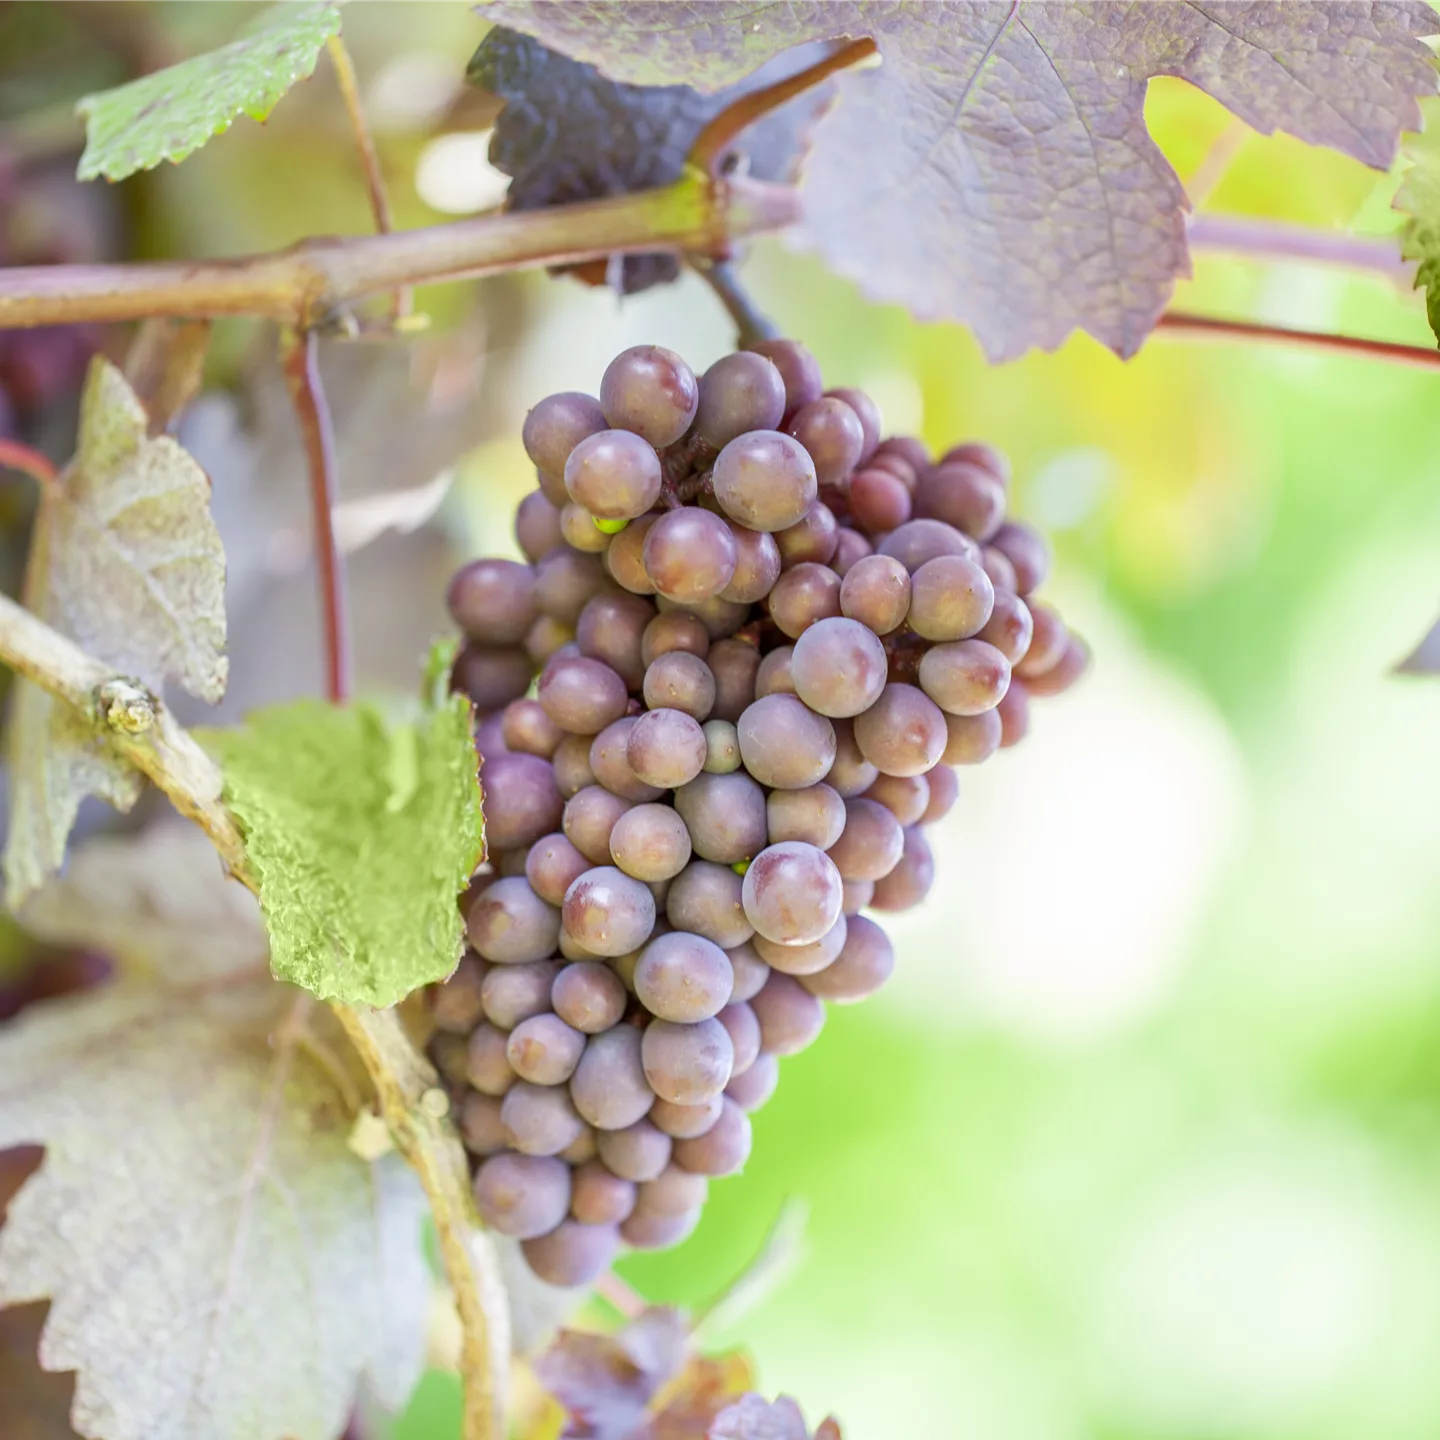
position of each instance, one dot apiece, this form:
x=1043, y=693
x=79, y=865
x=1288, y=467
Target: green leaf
x=1419, y=198
x=219, y=1264
x=125, y=559
x=362, y=836
x=172, y=113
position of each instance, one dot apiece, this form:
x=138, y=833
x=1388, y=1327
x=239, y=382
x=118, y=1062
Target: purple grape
x=903, y=732
x=687, y=1064
x=799, y=370
x=1014, y=714
x=609, y=1087
x=815, y=815
x=790, y=1016
x=804, y=959
x=773, y=677
x=733, y=663
x=610, y=763
x=610, y=628
x=607, y=912
x=537, y=526
x=905, y=797
x=581, y=695
x=919, y=541
x=965, y=677
x=725, y=815
x=751, y=972
x=851, y=547
x=674, y=1191
x=784, y=743
x=512, y=993
x=1010, y=628
x=528, y=730
x=652, y=391
x=544, y=1050
x=963, y=495
x=832, y=434
x=971, y=739
x=839, y=666
x=951, y=598
x=870, y=846
x=804, y=595
x=639, y=1152
x=811, y=540
x=720, y=617
x=684, y=1121
x=588, y=996
x=545, y=638
x=614, y=474
x=690, y=554
x=493, y=601
x=1062, y=675
x=678, y=680
x=666, y=748
x=456, y=1005
x=683, y=977
x=753, y=1087
x=647, y=1231
x=791, y=893
x=510, y=924
x=522, y=1195
x=478, y=1120
x=876, y=592
x=600, y=1197
x=572, y=1254
x=1027, y=552
x=487, y=1067
x=851, y=774
x=704, y=899
x=448, y=1054
x=650, y=843
x=943, y=787
x=861, y=968
x=757, y=566
x=520, y=799
x=491, y=676
x=624, y=558
x=579, y=530
x=539, y=1119
x=564, y=581
x=674, y=630
x=723, y=1149
x=552, y=864
x=739, y=392
x=868, y=414
x=1048, y=639
x=556, y=426
x=589, y=819
x=572, y=765
x=744, y=1031
x=910, y=881
x=765, y=480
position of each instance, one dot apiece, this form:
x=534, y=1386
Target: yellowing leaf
x=126, y=561
x=362, y=835
x=167, y=115
x=220, y=1266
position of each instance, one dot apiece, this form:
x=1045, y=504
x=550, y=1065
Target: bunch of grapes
x=764, y=636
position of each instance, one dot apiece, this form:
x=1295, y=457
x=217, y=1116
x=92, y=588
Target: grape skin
x=910, y=881
x=863, y=965
x=903, y=732
x=815, y=814
x=725, y=815
x=588, y=996
x=804, y=959
x=610, y=764
x=870, y=846
x=544, y=1050
x=650, y=842
x=666, y=748
x=791, y=893
x=539, y=1119
x=572, y=1254
x=652, y=391
x=705, y=899
x=784, y=744
x=876, y=592
x=690, y=554
x=493, y=601
x=512, y=993
x=600, y=1197
x=608, y=912
x=683, y=977
x=523, y=1196
x=738, y=393
x=687, y=1064
x=679, y=680
x=614, y=474
x=721, y=1150
x=609, y=1087
x=638, y=1153
x=839, y=667
x=681, y=1122
x=511, y=924
x=753, y=1087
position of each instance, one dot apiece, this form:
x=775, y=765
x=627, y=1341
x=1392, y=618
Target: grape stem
x=1247, y=236
x=412, y=1104
x=750, y=323
x=1181, y=324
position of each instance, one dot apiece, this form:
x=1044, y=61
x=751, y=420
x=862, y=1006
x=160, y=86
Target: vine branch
x=1206, y=327
x=142, y=729
x=1274, y=240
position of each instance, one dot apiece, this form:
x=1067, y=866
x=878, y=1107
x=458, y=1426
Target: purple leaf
x=996, y=168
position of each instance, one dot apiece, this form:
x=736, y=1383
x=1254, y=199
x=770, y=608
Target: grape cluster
x=764, y=637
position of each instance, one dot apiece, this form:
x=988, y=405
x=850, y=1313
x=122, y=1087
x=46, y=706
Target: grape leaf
x=567, y=133
x=362, y=835
x=172, y=113
x=126, y=561
x=218, y=1262
x=995, y=169
x=1419, y=198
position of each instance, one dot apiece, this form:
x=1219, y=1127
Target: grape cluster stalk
x=764, y=637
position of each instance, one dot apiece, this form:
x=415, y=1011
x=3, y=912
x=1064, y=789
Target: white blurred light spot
x=455, y=175
x=901, y=402
x=412, y=91
x=1069, y=488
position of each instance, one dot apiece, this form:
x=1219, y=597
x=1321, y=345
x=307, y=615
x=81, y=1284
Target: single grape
x=804, y=959
x=943, y=790
x=898, y=466
x=589, y=820
x=544, y=638
x=790, y=1016
x=537, y=526
x=572, y=1254
x=511, y=924
x=673, y=630
x=1027, y=551
x=564, y=581
x=723, y=1149
x=581, y=695
x=571, y=762
x=600, y=1197
x=791, y=893
x=690, y=554
x=733, y=663
x=614, y=474
x=513, y=993
x=666, y=748
x=581, y=531
x=529, y=730
x=951, y=598
x=722, y=747
x=678, y=680
x=639, y=1152
x=609, y=1086
x=866, y=411
x=744, y=1031
x=799, y=370
x=491, y=676
x=987, y=457
x=674, y=1191
x=610, y=762
x=611, y=628
x=607, y=912
x=588, y=996
x=522, y=1195
x=910, y=881
x=815, y=815
x=917, y=541
x=839, y=666
x=652, y=391
x=683, y=1122
x=966, y=677
x=647, y=1231
x=521, y=800
x=544, y=1050
x=864, y=964
x=478, y=1120
x=1010, y=627
x=765, y=480
x=851, y=547
x=650, y=843
x=812, y=539
x=719, y=616
x=753, y=1087
x=687, y=1064
x=725, y=815
x=582, y=1149
x=456, y=1005
x=903, y=732
x=879, y=500
x=739, y=392
x=705, y=899
x=624, y=558
x=909, y=447
x=999, y=569
x=448, y=1054
x=871, y=843
x=971, y=739
x=803, y=596
x=1049, y=638
x=493, y=601
x=539, y=1119
x=832, y=434
x=757, y=566
x=556, y=426
x=784, y=743
x=851, y=774
x=1064, y=673
x=683, y=977
x=965, y=496
x=904, y=796
x=876, y=592
x=487, y=1066
x=1014, y=713
x=773, y=677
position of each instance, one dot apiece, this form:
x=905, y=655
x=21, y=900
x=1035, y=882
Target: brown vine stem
x=1261, y=239
x=300, y=357
x=310, y=282
x=349, y=84
x=1206, y=327
x=413, y=1107
x=15, y=456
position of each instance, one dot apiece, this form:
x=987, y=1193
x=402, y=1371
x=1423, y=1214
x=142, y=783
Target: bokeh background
x=1142, y=1140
